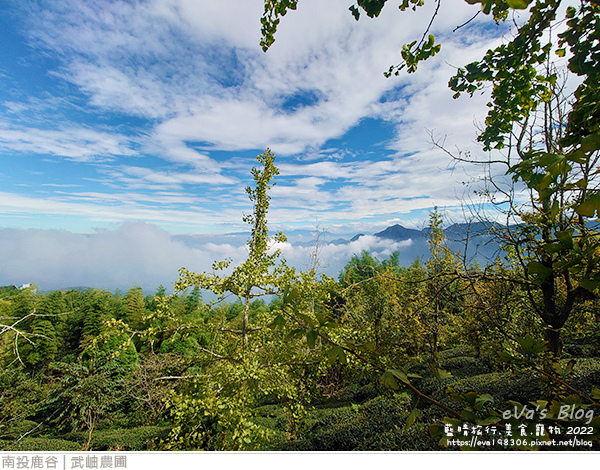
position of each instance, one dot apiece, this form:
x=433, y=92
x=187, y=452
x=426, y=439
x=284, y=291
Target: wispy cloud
x=136, y=176
x=75, y=143
x=154, y=111
x=116, y=208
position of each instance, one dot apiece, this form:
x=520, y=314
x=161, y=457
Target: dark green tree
x=45, y=345
x=359, y=268
x=136, y=307
x=193, y=301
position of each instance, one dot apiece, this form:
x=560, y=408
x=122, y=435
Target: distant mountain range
x=399, y=233
x=409, y=243
x=473, y=241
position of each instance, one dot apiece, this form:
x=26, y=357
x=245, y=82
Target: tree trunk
x=552, y=336
x=245, y=321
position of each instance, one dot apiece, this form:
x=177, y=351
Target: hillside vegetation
x=383, y=358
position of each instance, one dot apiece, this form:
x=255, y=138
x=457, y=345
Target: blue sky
x=123, y=124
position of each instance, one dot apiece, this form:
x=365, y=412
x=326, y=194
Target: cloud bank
x=143, y=254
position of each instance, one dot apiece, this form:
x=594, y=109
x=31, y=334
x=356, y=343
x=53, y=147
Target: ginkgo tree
x=263, y=271
x=559, y=244
x=549, y=142
x=242, y=364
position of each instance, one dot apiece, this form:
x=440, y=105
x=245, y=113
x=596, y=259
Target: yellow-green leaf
x=412, y=417
x=518, y=4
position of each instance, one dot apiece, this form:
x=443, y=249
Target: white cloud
x=333, y=257
x=137, y=253
x=74, y=143
x=100, y=207
x=136, y=175
x=172, y=59
x=193, y=71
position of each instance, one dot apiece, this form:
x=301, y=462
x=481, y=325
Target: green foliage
x=16, y=429
x=263, y=269
x=582, y=38
x=359, y=269
x=557, y=246
x=112, y=343
x=413, y=53
x=441, y=292
x=274, y=9
x=360, y=364
x=351, y=428
x=136, y=307
x=212, y=422
x=100, y=403
x=53, y=306
x=466, y=366
x=84, y=396
x=41, y=444
x=246, y=354
x=559, y=168
x=43, y=352
x=138, y=438
x=95, y=310
x=22, y=396
x=586, y=375
x=23, y=302
x=518, y=86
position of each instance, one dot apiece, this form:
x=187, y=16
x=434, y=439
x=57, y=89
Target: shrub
x=356, y=427
x=460, y=351
x=274, y=417
x=503, y=385
x=42, y=444
x=131, y=439
x=17, y=429
x=415, y=438
x=586, y=374
x=356, y=393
